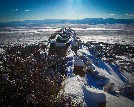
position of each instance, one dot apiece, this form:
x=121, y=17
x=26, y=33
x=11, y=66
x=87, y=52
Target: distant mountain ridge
x=93, y=21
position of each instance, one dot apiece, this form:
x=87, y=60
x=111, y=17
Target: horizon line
x=64, y=19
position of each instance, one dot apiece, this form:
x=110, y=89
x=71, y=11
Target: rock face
x=78, y=66
x=65, y=46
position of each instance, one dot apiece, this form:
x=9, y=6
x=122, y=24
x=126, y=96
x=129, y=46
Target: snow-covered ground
x=79, y=90
x=1, y=50
x=87, y=88
x=107, y=69
x=109, y=38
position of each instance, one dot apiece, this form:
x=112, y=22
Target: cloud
x=112, y=14
x=129, y=14
x=27, y=10
x=72, y=12
x=15, y=10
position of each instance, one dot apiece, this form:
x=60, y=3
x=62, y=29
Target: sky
x=17, y=10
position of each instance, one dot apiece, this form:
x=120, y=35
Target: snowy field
x=76, y=87
x=110, y=33
x=85, y=88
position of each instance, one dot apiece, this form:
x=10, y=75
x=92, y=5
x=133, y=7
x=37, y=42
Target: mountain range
x=91, y=21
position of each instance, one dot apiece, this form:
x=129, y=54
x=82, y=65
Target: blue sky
x=65, y=9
